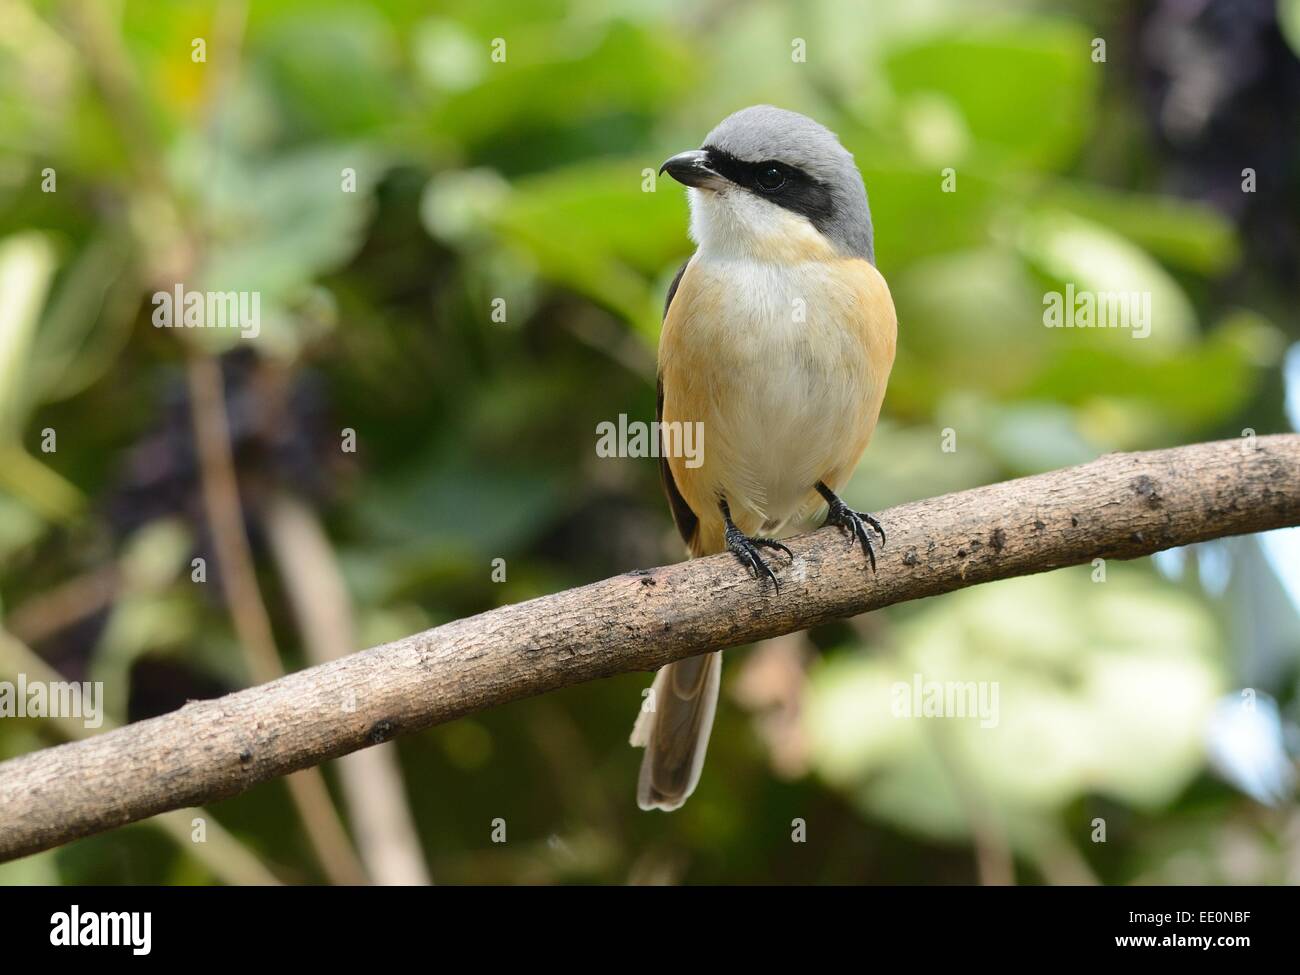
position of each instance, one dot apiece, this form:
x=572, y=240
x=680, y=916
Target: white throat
x=732, y=224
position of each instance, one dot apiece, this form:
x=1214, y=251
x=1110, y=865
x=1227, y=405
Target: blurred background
x=461, y=267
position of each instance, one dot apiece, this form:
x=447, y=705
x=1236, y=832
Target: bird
x=778, y=338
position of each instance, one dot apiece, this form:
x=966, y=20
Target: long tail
x=674, y=727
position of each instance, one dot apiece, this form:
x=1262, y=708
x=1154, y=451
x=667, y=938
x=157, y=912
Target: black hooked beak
x=692, y=169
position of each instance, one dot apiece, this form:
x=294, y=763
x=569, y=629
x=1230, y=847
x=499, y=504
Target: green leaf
x=911, y=215
x=1085, y=258
x=587, y=71
x=1288, y=19
x=1188, y=390
x=1083, y=669
x=591, y=228
x=1002, y=76
x=27, y=264
x=276, y=226
x=1184, y=233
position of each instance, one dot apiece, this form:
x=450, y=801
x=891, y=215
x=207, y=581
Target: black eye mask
x=797, y=192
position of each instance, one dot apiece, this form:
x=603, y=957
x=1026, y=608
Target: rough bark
x=1118, y=507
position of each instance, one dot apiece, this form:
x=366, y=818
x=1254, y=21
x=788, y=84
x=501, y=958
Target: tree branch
x=1120, y=506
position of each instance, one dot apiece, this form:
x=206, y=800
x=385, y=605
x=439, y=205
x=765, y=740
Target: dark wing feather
x=686, y=519
x=672, y=288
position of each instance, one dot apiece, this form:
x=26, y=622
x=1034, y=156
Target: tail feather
x=675, y=734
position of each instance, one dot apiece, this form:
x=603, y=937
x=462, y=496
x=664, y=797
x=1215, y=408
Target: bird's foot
x=746, y=548
x=852, y=523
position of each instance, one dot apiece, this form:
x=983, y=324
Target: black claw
x=773, y=543
x=870, y=520
x=746, y=548
x=852, y=523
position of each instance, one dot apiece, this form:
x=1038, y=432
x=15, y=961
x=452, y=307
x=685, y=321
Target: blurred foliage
x=520, y=183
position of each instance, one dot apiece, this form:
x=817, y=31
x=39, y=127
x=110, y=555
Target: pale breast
x=776, y=362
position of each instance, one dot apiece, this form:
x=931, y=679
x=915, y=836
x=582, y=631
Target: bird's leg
x=746, y=548
x=853, y=523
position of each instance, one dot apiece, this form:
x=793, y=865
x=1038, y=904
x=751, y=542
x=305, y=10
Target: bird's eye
x=770, y=178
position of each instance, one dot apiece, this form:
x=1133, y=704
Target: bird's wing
x=687, y=520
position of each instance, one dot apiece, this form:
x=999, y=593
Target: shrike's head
x=769, y=184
